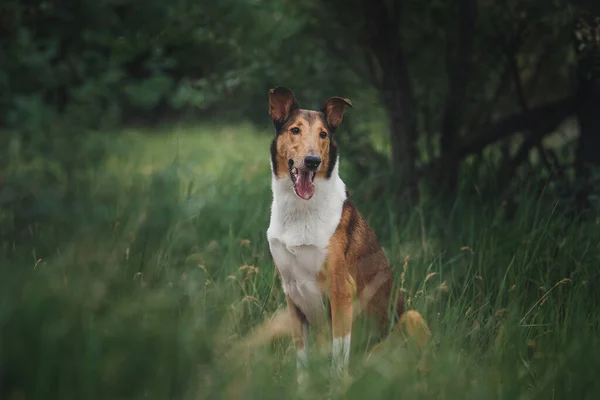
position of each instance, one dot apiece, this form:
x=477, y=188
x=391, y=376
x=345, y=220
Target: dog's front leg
x=300, y=336
x=340, y=294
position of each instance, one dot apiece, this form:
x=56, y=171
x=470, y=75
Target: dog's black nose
x=312, y=162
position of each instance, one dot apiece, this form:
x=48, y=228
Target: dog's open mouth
x=303, y=181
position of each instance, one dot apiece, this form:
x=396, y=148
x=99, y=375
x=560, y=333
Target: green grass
x=149, y=295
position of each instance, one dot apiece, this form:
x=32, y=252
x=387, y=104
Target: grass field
x=174, y=269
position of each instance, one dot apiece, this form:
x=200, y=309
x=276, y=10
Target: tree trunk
x=458, y=70
x=384, y=37
x=397, y=98
x=587, y=158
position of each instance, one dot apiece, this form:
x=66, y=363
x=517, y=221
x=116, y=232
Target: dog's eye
x=323, y=134
x=295, y=130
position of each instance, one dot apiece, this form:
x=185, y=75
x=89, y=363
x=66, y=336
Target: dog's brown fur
x=356, y=264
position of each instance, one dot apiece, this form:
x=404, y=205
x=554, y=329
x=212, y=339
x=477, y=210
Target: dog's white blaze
x=299, y=234
x=341, y=352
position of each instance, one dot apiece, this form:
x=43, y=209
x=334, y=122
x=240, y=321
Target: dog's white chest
x=299, y=235
x=299, y=268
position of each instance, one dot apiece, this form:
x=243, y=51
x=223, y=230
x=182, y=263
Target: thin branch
x=519, y=89
x=534, y=142
x=544, y=158
x=557, y=167
x=509, y=167
x=485, y=116
x=542, y=118
x=520, y=92
x=549, y=114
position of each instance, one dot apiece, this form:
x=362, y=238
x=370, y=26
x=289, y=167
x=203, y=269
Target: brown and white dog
x=322, y=248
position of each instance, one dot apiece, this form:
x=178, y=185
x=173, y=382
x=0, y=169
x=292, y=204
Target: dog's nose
x=312, y=162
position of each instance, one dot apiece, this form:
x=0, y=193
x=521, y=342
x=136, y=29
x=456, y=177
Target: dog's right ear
x=281, y=104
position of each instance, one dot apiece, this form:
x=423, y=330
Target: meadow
x=172, y=269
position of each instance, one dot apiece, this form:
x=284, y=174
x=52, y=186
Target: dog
x=322, y=248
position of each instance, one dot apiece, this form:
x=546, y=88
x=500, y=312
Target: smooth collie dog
x=324, y=251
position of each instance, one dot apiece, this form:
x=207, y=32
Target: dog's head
x=304, y=148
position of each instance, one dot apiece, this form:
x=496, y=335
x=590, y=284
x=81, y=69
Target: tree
x=587, y=44
x=504, y=71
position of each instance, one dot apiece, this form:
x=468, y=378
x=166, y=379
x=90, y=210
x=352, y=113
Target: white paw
x=341, y=353
x=302, y=366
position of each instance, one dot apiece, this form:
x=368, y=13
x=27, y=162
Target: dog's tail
x=414, y=327
x=411, y=328
x=407, y=324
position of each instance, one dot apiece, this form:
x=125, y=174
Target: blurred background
x=135, y=189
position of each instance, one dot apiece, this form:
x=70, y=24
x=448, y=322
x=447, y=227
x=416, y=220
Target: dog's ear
x=333, y=109
x=281, y=103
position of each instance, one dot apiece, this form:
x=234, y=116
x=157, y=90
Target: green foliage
x=147, y=299
x=130, y=261
x=74, y=69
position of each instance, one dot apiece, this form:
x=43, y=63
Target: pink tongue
x=305, y=188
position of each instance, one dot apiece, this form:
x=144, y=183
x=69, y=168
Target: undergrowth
x=147, y=297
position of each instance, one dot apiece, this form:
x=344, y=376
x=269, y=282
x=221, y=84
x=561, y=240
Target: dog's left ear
x=334, y=109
